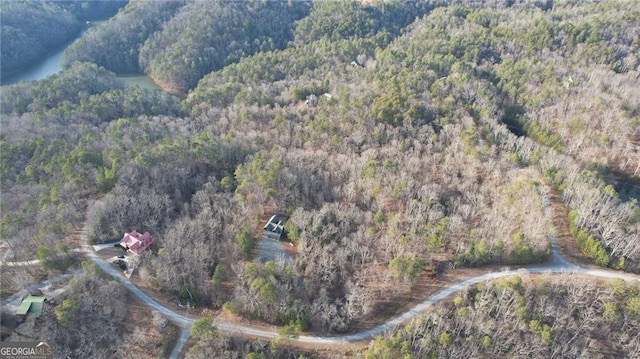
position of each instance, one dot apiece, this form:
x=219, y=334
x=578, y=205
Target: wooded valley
x=400, y=140
x=30, y=29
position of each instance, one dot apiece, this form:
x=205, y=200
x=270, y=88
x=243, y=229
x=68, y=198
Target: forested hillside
x=397, y=139
x=116, y=44
x=176, y=43
x=537, y=318
x=32, y=28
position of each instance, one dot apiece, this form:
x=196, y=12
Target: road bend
x=184, y=323
x=558, y=265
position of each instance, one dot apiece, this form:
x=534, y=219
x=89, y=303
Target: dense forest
x=534, y=318
x=116, y=45
x=398, y=139
x=177, y=43
x=30, y=29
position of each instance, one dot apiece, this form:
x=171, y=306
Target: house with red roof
x=135, y=242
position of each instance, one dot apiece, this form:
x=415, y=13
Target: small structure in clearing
x=274, y=228
x=311, y=100
x=271, y=247
x=33, y=305
x=135, y=242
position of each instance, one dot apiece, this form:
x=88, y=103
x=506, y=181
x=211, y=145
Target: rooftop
x=136, y=242
x=32, y=305
x=275, y=227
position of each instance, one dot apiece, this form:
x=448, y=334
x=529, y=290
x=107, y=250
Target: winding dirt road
x=558, y=265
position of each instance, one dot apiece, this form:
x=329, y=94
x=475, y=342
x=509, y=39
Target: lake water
x=51, y=65
x=39, y=70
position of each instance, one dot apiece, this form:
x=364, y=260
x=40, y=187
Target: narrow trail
x=557, y=257
x=185, y=333
x=558, y=265
x=22, y=263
